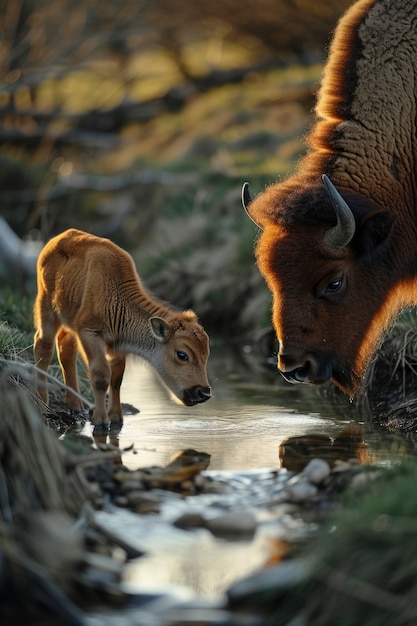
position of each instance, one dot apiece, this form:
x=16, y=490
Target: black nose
x=313, y=371
x=196, y=395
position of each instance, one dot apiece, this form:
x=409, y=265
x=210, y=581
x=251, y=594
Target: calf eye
x=334, y=286
x=182, y=356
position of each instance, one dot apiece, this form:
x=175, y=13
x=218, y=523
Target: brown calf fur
x=90, y=300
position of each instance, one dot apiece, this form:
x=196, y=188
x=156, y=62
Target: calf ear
x=160, y=329
x=374, y=231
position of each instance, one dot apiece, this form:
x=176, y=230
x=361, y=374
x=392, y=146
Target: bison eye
x=334, y=286
x=182, y=356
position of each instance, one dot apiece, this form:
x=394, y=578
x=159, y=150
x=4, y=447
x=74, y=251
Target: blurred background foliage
x=140, y=120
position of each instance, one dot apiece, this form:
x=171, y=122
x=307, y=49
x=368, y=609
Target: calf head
x=333, y=283
x=180, y=356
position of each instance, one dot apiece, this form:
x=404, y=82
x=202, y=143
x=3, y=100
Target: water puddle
x=249, y=424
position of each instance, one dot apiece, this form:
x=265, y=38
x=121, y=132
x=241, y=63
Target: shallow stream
x=254, y=424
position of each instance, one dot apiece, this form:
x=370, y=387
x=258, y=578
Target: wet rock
x=273, y=582
x=129, y=409
x=143, y=501
x=208, y=485
x=235, y=525
x=277, y=497
x=129, y=617
x=232, y=525
x=286, y=508
x=101, y=531
x=174, y=610
x=202, y=617
x=200, y=481
x=363, y=479
x=181, y=477
x=188, y=487
x=179, y=472
x=301, y=491
x=121, y=501
x=168, y=494
x=341, y=466
x=162, y=599
x=188, y=521
x=122, y=476
x=316, y=471
x=130, y=485
x=188, y=457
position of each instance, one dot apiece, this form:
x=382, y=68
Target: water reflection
x=296, y=452
x=238, y=433
x=246, y=424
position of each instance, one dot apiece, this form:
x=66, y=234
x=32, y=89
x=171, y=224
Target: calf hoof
x=101, y=428
x=116, y=426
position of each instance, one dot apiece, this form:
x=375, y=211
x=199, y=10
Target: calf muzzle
x=196, y=395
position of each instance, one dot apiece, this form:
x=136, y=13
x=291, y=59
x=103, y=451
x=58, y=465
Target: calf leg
x=43, y=346
x=117, y=364
x=67, y=354
x=99, y=371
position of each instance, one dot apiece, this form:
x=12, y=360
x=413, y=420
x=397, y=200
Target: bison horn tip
x=340, y=235
x=246, y=200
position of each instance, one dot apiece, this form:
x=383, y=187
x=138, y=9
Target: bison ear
x=160, y=329
x=373, y=231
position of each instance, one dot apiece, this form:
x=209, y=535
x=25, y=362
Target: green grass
x=16, y=309
x=13, y=343
x=364, y=564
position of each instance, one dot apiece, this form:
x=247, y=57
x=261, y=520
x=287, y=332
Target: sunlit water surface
x=244, y=424
x=247, y=425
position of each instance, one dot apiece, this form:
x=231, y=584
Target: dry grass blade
x=363, y=591
x=33, y=464
x=43, y=492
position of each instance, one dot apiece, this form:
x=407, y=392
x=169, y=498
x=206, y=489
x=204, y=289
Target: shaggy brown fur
x=331, y=307
x=91, y=300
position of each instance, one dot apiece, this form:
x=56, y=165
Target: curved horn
x=340, y=235
x=246, y=200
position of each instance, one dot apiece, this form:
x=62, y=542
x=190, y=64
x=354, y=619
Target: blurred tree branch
x=45, y=41
x=77, y=72
x=51, y=38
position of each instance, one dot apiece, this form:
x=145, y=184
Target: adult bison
x=338, y=246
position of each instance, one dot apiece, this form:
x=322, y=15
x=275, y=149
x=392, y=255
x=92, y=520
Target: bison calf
x=90, y=300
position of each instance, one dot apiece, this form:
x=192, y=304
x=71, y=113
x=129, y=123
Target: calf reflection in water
x=90, y=300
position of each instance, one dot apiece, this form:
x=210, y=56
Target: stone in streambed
x=234, y=525
x=316, y=471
